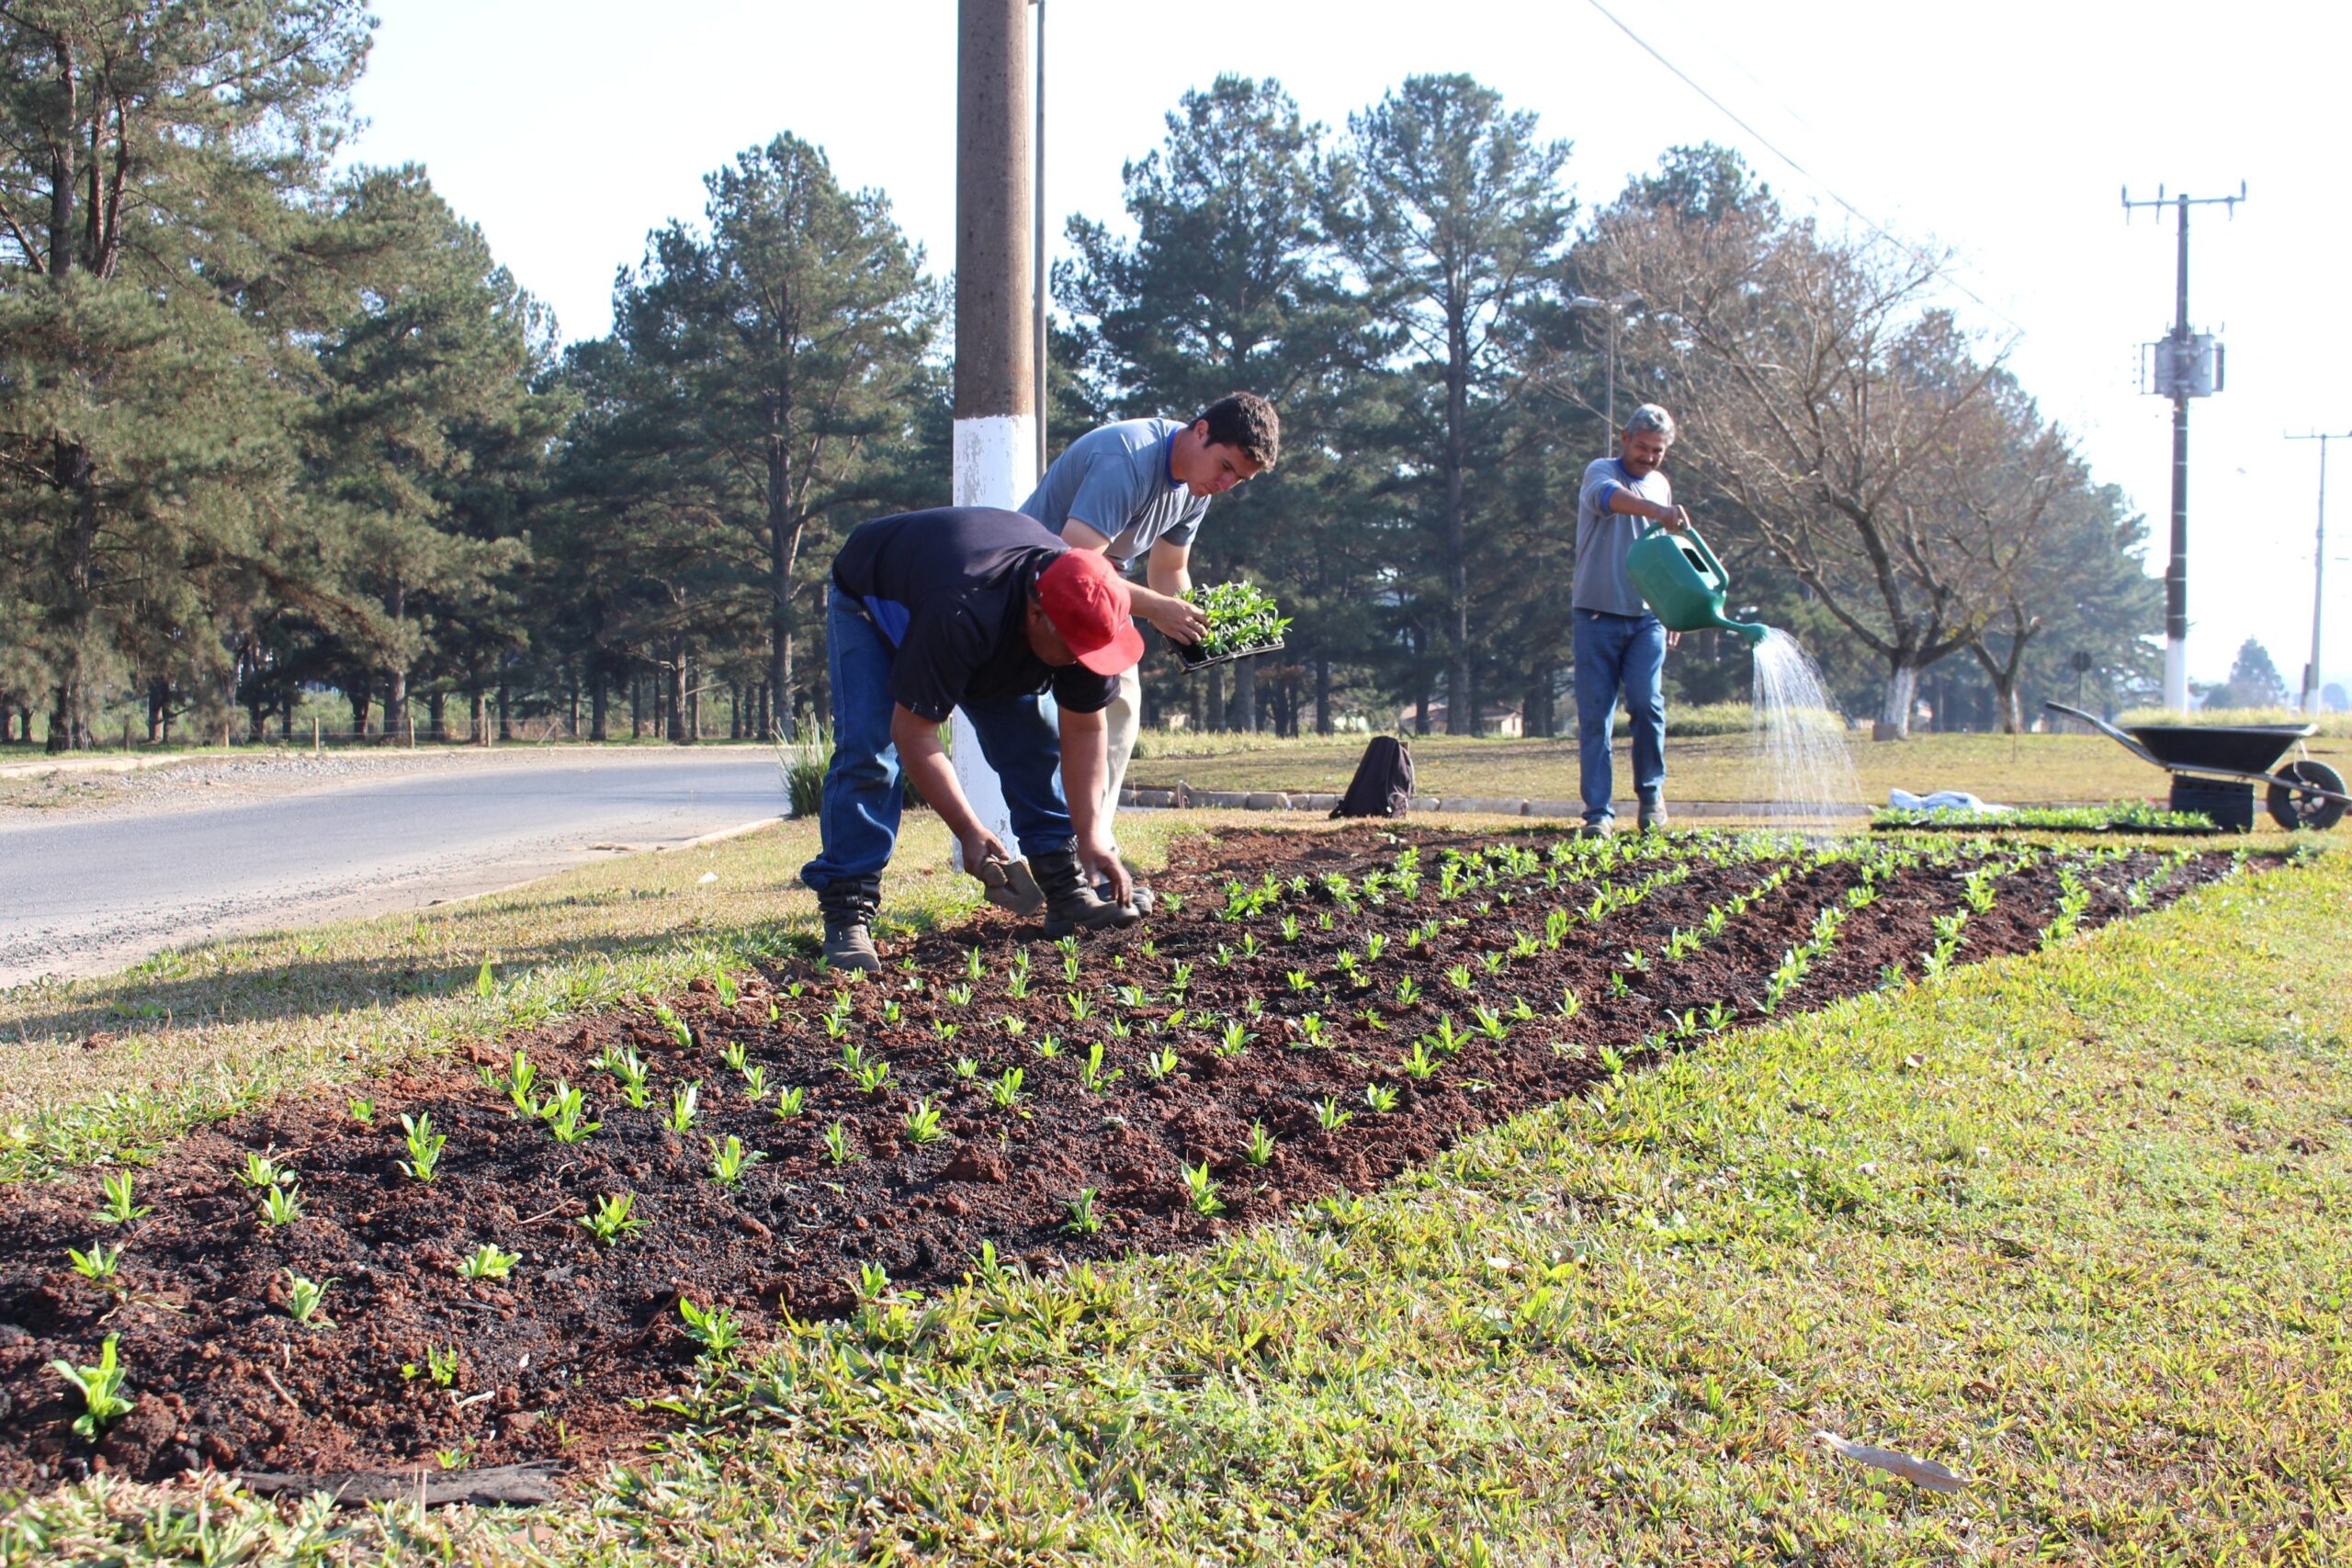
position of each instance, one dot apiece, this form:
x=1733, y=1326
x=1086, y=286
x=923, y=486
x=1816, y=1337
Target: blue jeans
x=1613, y=653
x=864, y=787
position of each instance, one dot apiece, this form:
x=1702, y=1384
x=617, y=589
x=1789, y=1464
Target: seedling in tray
x=1242, y=621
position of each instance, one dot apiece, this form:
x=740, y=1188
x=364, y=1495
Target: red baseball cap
x=1090, y=607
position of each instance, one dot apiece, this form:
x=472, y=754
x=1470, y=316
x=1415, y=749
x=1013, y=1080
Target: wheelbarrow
x=2215, y=767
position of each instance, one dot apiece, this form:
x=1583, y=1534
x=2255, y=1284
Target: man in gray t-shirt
x=1136, y=490
x=1619, y=646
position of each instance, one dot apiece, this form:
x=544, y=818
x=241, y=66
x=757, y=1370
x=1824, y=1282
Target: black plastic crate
x=2227, y=802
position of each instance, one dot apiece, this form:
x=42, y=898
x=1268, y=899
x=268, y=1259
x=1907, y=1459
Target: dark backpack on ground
x=1384, y=782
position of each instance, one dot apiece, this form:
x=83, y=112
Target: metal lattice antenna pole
x=2176, y=377
x=2319, y=571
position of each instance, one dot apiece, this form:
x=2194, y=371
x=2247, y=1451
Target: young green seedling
x=424, y=1147
x=1005, y=1092
x=1233, y=1040
x=1200, y=1189
x=1260, y=1149
x=1161, y=1063
x=519, y=1080
x=97, y=1265
x=836, y=1147
x=1380, y=1097
x=1091, y=1076
x=565, y=1113
x=731, y=1159
x=789, y=1102
x=1082, y=1217
x=923, y=1123
x=1418, y=1062
x=674, y=1025
x=755, y=1082
x=282, y=1205
x=714, y=1328
x=612, y=1219
x=305, y=1299
x=685, y=1102
x=119, y=1210
x=103, y=1400
x=263, y=1171
x=486, y=1262
x=733, y=1055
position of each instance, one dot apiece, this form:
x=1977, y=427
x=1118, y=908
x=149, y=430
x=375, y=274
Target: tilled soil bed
x=1457, y=982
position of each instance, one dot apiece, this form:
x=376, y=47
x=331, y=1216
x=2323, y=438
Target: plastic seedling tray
x=1188, y=654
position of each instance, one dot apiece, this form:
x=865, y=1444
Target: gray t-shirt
x=1603, y=536
x=1114, y=480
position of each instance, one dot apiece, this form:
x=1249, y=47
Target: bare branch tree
x=1823, y=388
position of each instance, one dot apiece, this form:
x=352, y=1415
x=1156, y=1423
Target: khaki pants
x=1121, y=720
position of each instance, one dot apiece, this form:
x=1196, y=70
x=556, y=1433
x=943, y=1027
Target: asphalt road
x=85, y=896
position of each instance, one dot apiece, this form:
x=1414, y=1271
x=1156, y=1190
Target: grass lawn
x=2078, y=1225
x=2010, y=769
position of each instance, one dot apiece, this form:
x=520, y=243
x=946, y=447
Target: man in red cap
x=983, y=610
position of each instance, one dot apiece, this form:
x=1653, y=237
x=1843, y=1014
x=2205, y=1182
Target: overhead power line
x=1770, y=146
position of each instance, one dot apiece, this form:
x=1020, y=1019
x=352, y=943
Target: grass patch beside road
x=2078, y=1224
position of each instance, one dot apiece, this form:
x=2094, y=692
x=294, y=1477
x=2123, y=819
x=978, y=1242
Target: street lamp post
x=2319, y=571
x=1616, y=308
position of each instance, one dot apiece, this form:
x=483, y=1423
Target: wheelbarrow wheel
x=2297, y=808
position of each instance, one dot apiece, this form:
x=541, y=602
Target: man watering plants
x=1139, y=488
x=1619, y=646
x=983, y=610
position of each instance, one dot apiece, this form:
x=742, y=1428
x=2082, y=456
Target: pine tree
x=793, y=330
x=151, y=169
x=1457, y=224
x=1232, y=282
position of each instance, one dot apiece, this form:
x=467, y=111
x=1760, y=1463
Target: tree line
x=270, y=430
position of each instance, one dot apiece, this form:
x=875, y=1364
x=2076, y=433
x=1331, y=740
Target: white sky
x=567, y=129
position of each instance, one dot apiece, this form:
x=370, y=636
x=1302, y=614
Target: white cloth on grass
x=1941, y=800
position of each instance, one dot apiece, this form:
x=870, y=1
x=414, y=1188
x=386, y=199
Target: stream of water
x=1800, y=762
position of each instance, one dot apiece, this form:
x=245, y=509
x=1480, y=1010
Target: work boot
x=1070, y=904
x=1654, y=818
x=849, y=926
x=1598, y=828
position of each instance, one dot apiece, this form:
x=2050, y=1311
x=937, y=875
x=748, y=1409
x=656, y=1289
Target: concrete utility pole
x=2319, y=571
x=1043, y=270
x=996, y=287
x=2188, y=365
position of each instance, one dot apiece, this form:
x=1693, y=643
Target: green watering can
x=1683, y=583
